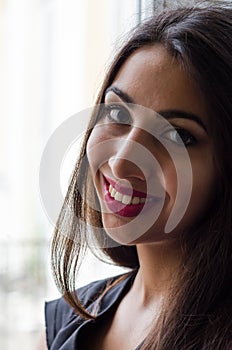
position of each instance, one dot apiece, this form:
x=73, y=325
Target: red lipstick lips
x=123, y=194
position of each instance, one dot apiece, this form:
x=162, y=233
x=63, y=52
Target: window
x=52, y=60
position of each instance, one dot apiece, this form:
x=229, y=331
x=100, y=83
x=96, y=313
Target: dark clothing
x=66, y=330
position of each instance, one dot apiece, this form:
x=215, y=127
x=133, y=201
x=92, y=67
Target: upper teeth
x=125, y=199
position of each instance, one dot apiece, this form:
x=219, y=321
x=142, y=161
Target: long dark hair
x=198, y=313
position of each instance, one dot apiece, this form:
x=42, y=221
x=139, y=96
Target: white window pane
x=53, y=55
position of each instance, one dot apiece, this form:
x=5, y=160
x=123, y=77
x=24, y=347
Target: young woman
x=153, y=189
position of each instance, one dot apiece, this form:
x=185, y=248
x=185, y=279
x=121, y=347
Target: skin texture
x=153, y=79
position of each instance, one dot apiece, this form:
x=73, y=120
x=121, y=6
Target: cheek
x=95, y=150
x=203, y=194
x=204, y=183
x=192, y=208
x=100, y=145
x=94, y=138
x=170, y=178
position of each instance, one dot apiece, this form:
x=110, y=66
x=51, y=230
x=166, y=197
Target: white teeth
x=112, y=191
x=125, y=199
x=142, y=200
x=118, y=196
x=135, y=200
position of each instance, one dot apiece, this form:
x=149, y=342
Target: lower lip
x=121, y=209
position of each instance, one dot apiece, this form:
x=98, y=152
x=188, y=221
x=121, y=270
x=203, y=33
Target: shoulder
x=87, y=294
x=59, y=314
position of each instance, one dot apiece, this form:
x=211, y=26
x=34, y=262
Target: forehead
x=156, y=80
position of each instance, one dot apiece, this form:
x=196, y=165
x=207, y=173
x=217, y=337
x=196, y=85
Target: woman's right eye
x=117, y=114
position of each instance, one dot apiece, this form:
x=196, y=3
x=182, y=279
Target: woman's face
x=150, y=154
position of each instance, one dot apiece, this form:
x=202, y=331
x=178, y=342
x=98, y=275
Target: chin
x=127, y=231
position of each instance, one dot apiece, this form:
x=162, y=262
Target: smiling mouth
x=122, y=202
x=126, y=199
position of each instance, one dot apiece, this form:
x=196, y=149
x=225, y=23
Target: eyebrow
x=123, y=95
x=167, y=114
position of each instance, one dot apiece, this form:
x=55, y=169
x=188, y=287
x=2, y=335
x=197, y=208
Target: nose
x=134, y=156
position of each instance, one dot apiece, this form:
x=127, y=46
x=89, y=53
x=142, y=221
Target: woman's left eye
x=118, y=115
x=180, y=137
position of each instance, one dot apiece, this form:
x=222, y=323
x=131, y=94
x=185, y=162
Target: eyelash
x=114, y=108
x=181, y=135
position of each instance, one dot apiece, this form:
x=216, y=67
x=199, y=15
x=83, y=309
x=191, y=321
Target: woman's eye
x=117, y=115
x=180, y=137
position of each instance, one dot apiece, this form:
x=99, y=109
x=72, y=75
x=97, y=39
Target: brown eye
x=187, y=138
x=180, y=137
x=118, y=115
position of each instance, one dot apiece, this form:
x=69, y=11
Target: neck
x=159, y=264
